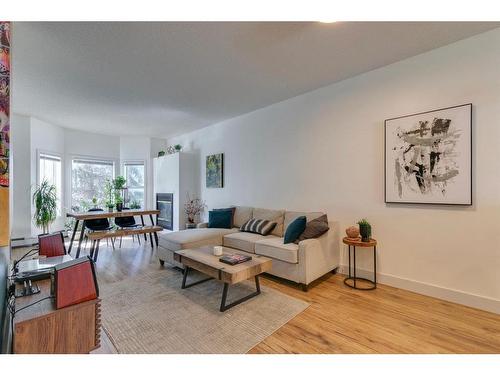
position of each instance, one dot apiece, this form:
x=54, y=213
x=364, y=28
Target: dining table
x=93, y=215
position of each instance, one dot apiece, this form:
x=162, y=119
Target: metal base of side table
x=374, y=285
x=354, y=278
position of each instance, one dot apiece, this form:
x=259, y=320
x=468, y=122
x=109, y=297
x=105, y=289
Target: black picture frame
x=470, y=202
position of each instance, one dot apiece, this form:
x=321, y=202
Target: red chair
x=51, y=245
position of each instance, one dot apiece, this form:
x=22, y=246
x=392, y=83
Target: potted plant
x=135, y=205
x=118, y=187
x=45, y=202
x=108, y=194
x=178, y=148
x=119, y=204
x=365, y=229
x=161, y=153
x=193, y=208
x=94, y=202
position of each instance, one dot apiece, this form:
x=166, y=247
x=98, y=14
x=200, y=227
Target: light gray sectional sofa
x=301, y=263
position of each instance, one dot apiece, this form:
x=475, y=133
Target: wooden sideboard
x=42, y=328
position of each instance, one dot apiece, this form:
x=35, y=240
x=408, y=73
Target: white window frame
x=138, y=162
x=73, y=157
x=39, y=153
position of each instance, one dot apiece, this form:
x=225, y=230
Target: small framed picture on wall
x=428, y=157
x=215, y=171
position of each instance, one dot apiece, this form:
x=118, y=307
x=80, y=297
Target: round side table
x=356, y=242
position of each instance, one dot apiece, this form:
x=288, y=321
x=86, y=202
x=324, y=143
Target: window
x=134, y=173
x=88, y=178
x=49, y=168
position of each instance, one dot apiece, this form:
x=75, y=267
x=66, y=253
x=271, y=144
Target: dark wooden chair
x=51, y=245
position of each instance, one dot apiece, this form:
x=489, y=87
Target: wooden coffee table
x=203, y=260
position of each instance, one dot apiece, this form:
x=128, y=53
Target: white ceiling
x=164, y=79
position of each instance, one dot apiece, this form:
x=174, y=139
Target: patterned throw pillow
x=258, y=226
x=314, y=229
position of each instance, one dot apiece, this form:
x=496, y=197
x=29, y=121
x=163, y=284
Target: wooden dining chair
x=51, y=245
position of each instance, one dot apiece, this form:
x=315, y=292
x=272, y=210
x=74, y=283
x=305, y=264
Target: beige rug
x=152, y=314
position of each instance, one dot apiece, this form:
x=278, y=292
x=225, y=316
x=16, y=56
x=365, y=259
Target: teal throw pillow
x=295, y=229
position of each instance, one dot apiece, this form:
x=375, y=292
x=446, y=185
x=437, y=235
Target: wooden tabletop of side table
x=358, y=242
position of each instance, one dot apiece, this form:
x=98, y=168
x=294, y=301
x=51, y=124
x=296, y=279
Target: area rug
x=152, y=314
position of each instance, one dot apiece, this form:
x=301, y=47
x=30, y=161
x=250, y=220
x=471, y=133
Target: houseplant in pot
x=119, y=204
x=118, y=187
x=365, y=230
x=45, y=202
x=108, y=194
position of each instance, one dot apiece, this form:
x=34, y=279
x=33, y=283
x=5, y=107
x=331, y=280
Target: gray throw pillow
x=314, y=229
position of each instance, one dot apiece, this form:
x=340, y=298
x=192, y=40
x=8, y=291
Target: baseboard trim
x=451, y=295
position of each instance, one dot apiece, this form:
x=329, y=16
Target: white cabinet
x=177, y=174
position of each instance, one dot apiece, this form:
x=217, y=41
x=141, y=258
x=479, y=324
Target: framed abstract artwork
x=215, y=171
x=428, y=157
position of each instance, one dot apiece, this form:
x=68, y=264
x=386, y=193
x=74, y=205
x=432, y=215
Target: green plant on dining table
x=118, y=186
x=45, y=202
x=108, y=193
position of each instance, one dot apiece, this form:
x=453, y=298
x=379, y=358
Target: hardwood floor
x=343, y=320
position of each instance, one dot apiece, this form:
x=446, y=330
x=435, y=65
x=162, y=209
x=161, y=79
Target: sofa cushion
x=275, y=248
x=191, y=238
x=314, y=229
x=243, y=241
x=292, y=215
x=258, y=226
x=271, y=215
x=242, y=215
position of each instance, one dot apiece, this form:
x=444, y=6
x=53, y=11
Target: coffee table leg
x=184, y=278
x=224, y=307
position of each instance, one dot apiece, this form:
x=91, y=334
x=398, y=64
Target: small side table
x=353, y=242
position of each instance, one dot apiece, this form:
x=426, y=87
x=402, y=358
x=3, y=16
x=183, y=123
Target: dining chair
x=125, y=222
x=101, y=224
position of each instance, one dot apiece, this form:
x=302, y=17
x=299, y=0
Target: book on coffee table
x=233, y=259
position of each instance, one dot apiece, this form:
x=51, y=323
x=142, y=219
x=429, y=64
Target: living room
x=330, y=186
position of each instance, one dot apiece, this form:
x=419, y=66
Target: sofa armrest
x=319, y=256
x=202, y=225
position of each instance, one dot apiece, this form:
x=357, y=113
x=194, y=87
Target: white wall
x=324, y=151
